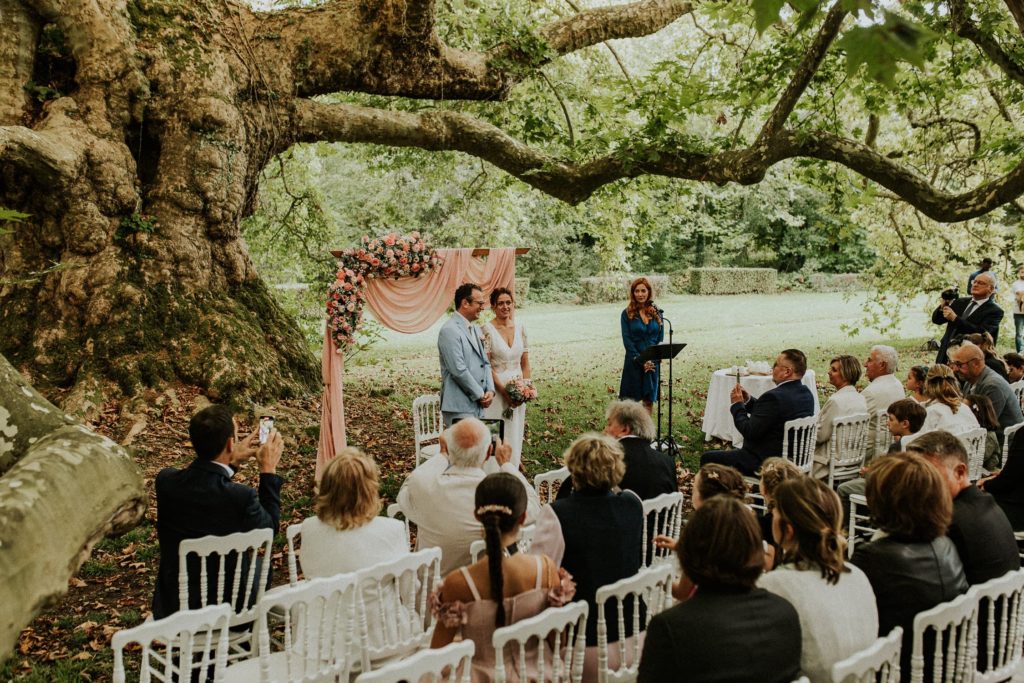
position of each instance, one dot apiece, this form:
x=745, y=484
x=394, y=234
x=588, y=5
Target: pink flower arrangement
x=390, y=255
x=520, y=391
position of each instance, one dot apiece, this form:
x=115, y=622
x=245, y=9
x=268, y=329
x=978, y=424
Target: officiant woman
x=641, y=328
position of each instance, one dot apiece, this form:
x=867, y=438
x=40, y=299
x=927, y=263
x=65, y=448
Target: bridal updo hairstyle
x=813, y=511
x=496, y=294
x=633, y=308
x=595, y=461
x=721, y=545
x=500, y=504
x=349, y=491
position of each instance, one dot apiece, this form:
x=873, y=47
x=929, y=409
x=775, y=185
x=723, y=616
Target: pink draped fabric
x=406, y=305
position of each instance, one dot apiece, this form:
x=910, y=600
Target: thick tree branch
x=1016, y=8
x=46, y=157
x=965, y=28
x=594, y=26
x=945, y=121
x=804, y=73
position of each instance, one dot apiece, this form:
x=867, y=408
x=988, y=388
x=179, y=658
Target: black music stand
x=665, y=351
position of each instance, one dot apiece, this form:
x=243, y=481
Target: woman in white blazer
x=843, y=373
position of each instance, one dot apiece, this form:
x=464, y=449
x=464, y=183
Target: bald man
x=975, y=313
x=439, y=495
x=968, y=362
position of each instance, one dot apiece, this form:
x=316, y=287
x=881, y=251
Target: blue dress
x=636, y=337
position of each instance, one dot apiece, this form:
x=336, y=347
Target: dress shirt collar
x=979, y=303
x=230, y=472
x=628, y=436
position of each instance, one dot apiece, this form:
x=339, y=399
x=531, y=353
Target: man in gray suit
x=467, y=386
x=968, y=362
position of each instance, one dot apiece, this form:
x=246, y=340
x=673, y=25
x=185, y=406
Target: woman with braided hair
x=834, y=600
x=465, y=604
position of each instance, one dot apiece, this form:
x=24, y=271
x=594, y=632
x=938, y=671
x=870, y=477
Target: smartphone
x=497, y=428
x=266, y=424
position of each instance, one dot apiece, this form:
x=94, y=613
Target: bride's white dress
x=506, y=361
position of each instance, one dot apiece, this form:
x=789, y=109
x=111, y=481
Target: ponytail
x=500, y=504
x=495, y=555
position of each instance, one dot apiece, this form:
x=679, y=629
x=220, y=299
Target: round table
x=717, y=417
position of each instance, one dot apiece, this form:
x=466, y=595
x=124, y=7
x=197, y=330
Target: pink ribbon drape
x=406, y=305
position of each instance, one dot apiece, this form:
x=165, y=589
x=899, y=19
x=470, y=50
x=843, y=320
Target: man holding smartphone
x=201, y=500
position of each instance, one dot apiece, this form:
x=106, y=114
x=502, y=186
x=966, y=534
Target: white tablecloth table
x=717, y=418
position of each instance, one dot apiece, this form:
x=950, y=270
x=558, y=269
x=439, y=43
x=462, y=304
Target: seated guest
x=774, y=471
x=834, y=600
x=843, y=373
x=1007, y=485
x=762, y=420
x=969, y=363
x=594, y=533
x=438, y=495
x=982, y=534
x=913, y=566
x=730, y=630
x=906, y=417
x=945, y=402
x=201, y=500
x=916, y=377
x=883, y=388
x=986, y=416
x=1014, y=367
x=465, y=604
x=649, y=473
x=983, y=340
x=347, y=534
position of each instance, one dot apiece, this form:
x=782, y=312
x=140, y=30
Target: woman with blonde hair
x=945, y=403
x=843, y=373
x=835, y=602
x=641, y=328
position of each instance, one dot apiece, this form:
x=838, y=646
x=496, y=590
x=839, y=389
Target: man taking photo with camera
x=969, y=314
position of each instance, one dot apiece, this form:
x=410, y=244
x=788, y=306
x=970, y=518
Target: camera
x=950, y=295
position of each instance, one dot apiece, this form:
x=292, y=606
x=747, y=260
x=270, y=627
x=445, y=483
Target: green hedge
x=733, y=280
x=610, y=288
x=522, y=291
x=837, y=282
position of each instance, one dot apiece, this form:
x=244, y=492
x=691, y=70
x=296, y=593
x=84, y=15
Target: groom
x=466, y=383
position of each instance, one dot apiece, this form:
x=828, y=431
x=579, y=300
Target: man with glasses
x=970, y=314
x=762, y=420
x=467, y=386
x=968, y=362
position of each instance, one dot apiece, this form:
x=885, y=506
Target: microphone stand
x=668, y=443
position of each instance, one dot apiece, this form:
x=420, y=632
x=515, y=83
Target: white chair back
x=395, y=511
x=883, y=437
x=523, y=542
x=292, y=533
x=546, y=484
x=178, y=638
x=427, y=424
x=1008, y=435
x=1000, y=630
x=564, y=626
x=847, y=447
x=248, y=555
x=662, y=515
x=451, y=664
x=1018, y=391
x=859, y=521
x=395, y=604
x=651, y=588
x=880, y=662
x=974, y=441
x=798, y=441
x=952, y=640
x=317, y=635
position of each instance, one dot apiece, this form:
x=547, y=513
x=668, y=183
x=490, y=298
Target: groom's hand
x=486, y=399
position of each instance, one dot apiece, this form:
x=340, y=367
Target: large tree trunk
x=62, y=488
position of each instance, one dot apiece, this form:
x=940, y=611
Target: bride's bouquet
x=520, y=391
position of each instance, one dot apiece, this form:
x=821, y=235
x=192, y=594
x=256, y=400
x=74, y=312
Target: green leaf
x=12, y=215
x=766, y=13
x=881, y=47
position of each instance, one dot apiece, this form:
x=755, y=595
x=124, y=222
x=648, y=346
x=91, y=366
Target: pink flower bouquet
x=520, y=391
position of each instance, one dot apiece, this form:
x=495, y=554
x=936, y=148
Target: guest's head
x=984, y=264
x=807, y=524
x=1020, y=272
x=502, y=302
x=628, y=418
x=882, y=360
x=720, y=546
x=908, y=498
x=983, y=340
x=210, y=430
x=1014, y=366
x=469, y=301
x=501, y=509
x=983, y=286
x=595, y=462
x=983, y=409
x=843, y=371
x=968, y=361
x=941, y=387
x=717, y=480
x=349, y=490
x=790, y=364
x=906, y=416
x=641, y=298
x=774, y=471
x=468, y=442
x=916, y=377
x=948, y=455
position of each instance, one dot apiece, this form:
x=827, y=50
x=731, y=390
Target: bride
x=507, y=349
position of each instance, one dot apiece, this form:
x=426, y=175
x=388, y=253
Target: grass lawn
x=576, y=353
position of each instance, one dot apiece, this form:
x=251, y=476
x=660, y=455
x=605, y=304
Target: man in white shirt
x=883, y=390
x=439, y=495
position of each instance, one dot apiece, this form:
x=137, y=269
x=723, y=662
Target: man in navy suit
x=976, y=313
x=467, y=386
x=762, y=420
x=201, y=499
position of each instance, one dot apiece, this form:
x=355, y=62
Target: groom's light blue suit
x=465, y=370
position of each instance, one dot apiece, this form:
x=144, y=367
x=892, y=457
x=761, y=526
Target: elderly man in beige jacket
x=884, y=390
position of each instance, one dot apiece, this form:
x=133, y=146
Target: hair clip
x=713, y=474
x=484, y=509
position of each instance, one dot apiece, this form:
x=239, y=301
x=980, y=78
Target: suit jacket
x=465, y=369
x=649, y=473
x=998, y=390
x=983, y=536
x=762, y=420
x=201, y=500
x=985, y=318
x=881, y=393
x=724, y=635
x=1007, y=487
x=441, y=498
